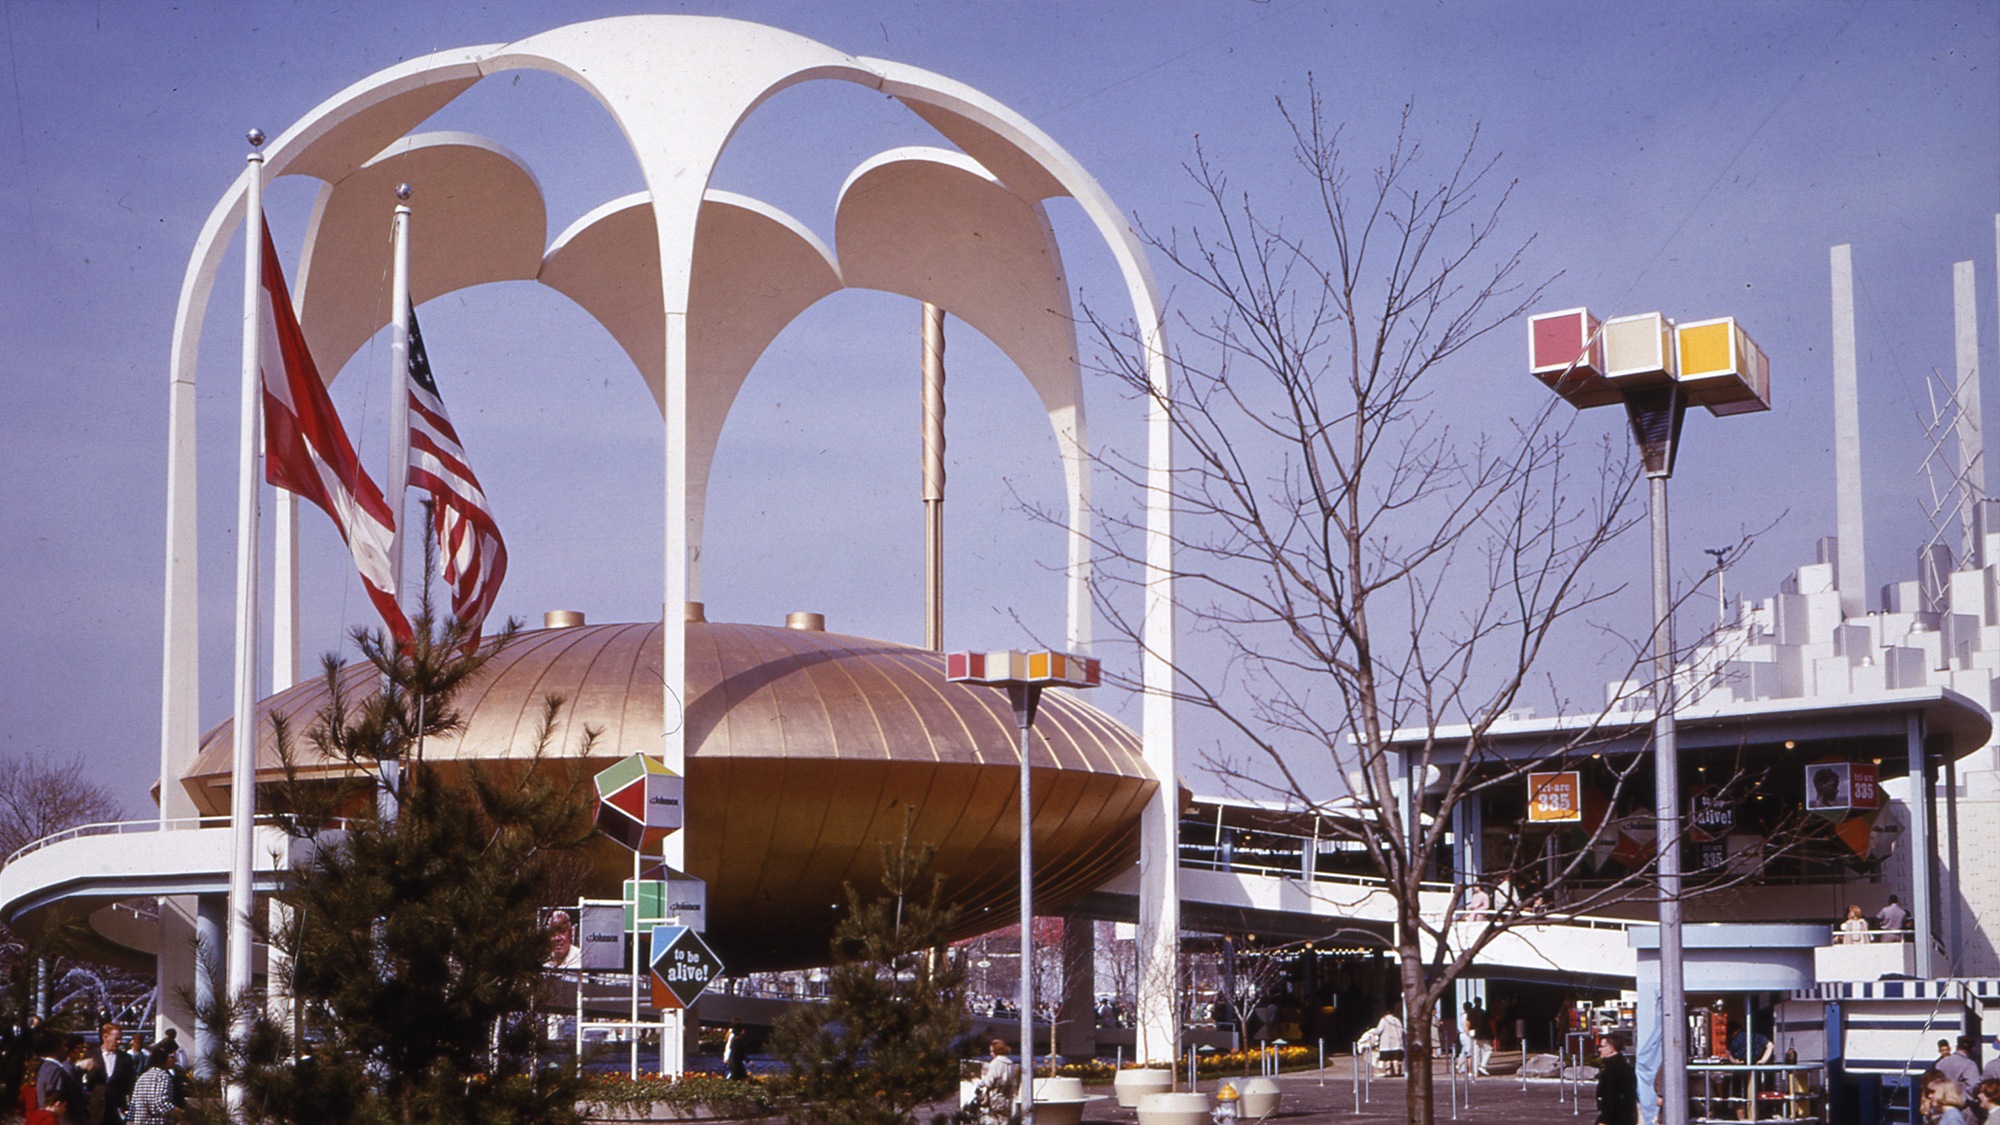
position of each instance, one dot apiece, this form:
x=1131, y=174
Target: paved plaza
x=1313, y=1097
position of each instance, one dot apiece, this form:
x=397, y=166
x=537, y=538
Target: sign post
x=639, y=805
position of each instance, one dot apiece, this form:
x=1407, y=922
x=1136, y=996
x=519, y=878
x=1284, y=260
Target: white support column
x=1923, y=911
x=1852, y=558
x=210, y=923
x=673, y=634
x=180, y=685
x=1971, y=435
x=1159, y=842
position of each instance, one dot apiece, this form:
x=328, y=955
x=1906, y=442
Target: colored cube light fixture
x=639, y=802
x=1655, y=367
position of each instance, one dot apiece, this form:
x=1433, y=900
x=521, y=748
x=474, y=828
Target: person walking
x=999, y=1084
x=108, y=1081
x=152, y=1100
x=735, y=1053
x=59, y=1080
x=1481, y=1022
x=1617, y=1084
x=1389, y=1043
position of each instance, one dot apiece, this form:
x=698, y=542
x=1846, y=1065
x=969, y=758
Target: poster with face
x=564, y=950
x=1829, y=787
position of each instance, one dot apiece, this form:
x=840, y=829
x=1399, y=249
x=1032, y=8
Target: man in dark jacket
x=108, y=1083
x=1617, y=1085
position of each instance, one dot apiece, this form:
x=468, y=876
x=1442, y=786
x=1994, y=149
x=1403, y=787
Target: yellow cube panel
x=1706, y=349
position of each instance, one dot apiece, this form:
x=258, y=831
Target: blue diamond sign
x=682, y=967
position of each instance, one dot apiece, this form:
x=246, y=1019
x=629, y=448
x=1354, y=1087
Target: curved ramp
x=96, y=865
x=85, y=870
x=1579, y=947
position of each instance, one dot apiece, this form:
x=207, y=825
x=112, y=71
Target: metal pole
x=243, y=765
x=1025, y=696
x=933, y=478
x=635, y=896
x=396, y=483
x=1667, y=826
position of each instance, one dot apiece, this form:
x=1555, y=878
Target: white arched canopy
x=680, y=275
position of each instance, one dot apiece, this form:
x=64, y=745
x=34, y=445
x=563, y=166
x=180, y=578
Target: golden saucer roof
x=804, y=750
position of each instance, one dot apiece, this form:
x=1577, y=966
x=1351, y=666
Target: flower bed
x=690, y=1097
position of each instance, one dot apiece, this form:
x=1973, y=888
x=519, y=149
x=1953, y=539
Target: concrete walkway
x=1315, y=1098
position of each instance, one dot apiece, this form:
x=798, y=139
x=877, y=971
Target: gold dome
x=804, y=748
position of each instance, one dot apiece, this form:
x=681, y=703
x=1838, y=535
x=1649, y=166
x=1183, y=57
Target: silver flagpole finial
x=256, y=138
x=403, y=192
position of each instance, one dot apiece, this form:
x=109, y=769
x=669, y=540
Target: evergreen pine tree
x=417, y=957
x=886, y=1042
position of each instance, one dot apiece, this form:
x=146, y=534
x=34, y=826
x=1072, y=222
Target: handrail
x=1868, y=937
x=1377, y=883
x=131, y=827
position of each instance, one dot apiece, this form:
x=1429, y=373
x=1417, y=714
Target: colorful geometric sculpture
x=639, y=802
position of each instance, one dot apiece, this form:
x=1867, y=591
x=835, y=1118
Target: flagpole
x=396, y=484
x=243, y=764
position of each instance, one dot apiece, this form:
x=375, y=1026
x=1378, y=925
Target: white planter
x=1174, y=1109
x=1257, y=1098
x=1059, y=1101
x=1131, y=1085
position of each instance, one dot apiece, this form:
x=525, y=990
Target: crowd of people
x=69, y=1080
x=1956, y=1090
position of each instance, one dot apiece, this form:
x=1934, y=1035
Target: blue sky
x=1695, y=159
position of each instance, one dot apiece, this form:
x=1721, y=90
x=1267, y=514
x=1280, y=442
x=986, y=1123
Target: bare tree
x=40, y=796
x=1367, y=581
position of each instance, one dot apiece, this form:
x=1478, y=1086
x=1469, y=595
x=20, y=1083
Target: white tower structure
x=1804, y=642
x=694, y=283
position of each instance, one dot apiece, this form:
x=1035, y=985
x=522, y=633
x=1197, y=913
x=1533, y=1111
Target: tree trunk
x=1417, y=1020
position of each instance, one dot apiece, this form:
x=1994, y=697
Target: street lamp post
x=1024, y=675
x=1656, y=368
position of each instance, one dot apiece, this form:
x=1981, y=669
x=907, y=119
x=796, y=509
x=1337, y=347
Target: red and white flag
x=306, y=450
x=471, y=553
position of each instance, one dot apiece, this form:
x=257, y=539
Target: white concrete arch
x=480, y=218
x=716, y=72
x=937, y=226
x=755, y=269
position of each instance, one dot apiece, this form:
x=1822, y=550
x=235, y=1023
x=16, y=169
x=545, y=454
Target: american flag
x=470, y=550
x=306, y=450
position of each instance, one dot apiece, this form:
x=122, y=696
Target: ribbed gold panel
x=804, y=750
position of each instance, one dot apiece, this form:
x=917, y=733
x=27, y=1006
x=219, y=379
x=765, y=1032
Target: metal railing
x=134, y=828
x=1284, y=862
